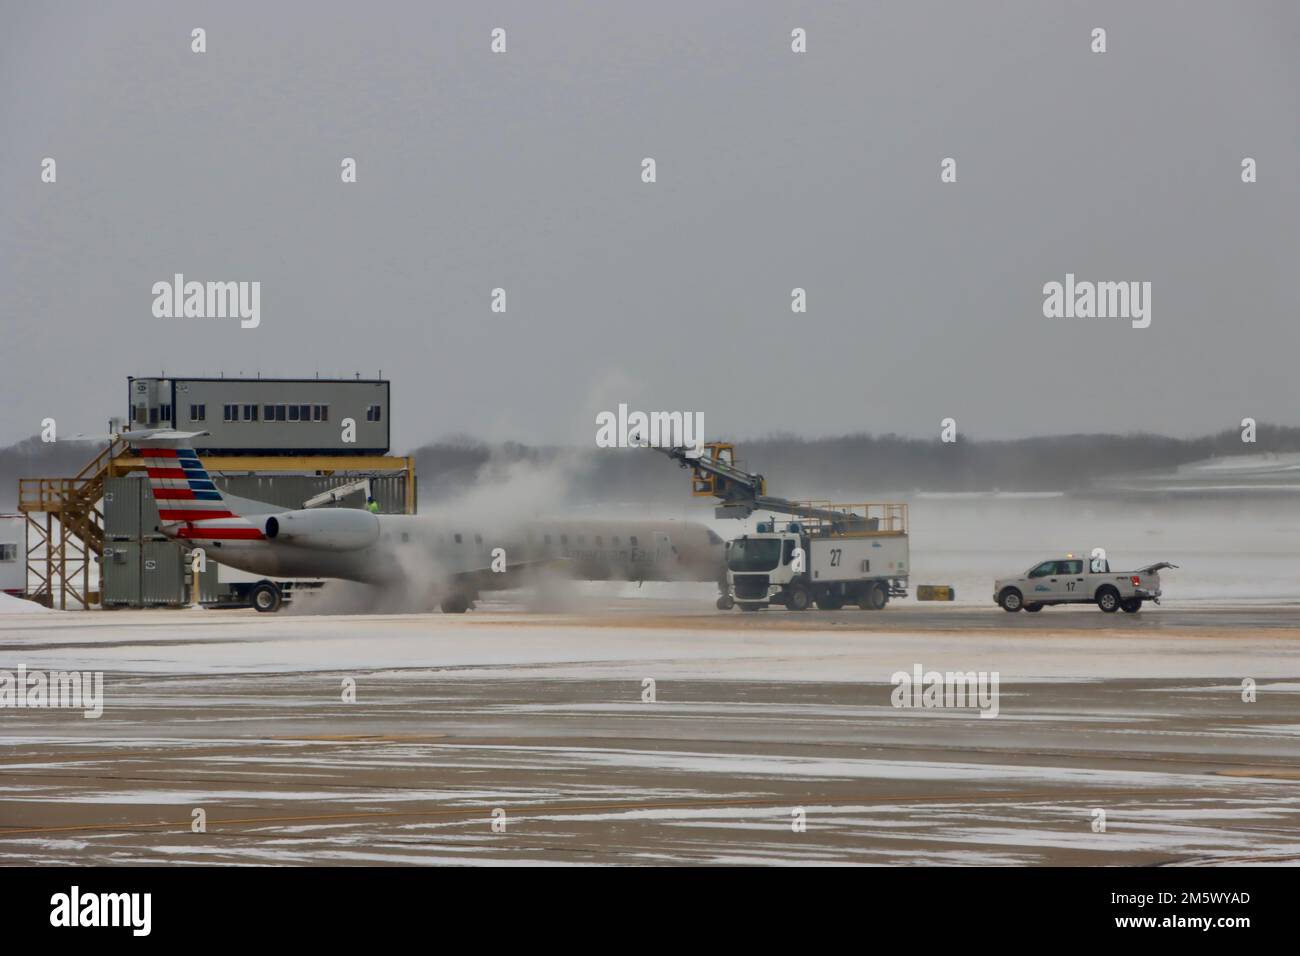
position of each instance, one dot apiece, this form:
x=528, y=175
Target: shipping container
x=164, y=572
x=119, y=574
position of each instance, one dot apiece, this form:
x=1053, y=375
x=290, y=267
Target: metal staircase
x=64, y=516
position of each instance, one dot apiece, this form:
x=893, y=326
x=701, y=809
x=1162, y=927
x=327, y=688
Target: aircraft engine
x=329, y=529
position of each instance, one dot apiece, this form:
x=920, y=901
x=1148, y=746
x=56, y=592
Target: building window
x=458, y=539
x=250, y=413
x=374, y=413
x=198, y=413
x=320, y=413
x=8, y=552
x=293, y=412
x=304, y=412
x=230, y=413
x=632, y=541
x=165, y=411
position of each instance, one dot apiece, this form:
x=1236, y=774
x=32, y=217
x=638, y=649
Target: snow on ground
x=14, y=605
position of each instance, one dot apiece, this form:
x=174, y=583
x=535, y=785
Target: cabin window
x=632, y=541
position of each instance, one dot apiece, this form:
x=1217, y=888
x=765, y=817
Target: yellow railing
x=865, y=518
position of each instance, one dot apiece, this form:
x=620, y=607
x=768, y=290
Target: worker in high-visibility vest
x=372, y=506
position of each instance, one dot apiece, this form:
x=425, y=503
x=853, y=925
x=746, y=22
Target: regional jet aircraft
x=455, y=563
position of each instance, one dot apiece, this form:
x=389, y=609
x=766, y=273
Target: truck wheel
x=1011, y=600
x=830, y=602
x=873, y=598
x=1108, y=599
x=725, y=602
x=796, y=599
x=454, y=604
x=1132, y=605
x=1033, y=608
x=265, y=596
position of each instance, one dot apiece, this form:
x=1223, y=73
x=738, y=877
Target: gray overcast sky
x=775, y=170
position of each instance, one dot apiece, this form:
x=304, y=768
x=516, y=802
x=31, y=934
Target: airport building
x=280, y=441
x=267, y=416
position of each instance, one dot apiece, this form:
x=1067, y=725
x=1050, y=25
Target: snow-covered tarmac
x=543, y=717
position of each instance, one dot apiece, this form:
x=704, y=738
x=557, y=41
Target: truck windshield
x=754, y=554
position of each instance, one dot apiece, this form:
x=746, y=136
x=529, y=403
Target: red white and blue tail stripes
x=187, y=499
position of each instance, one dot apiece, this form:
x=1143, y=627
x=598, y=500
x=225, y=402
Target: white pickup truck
x=1077, y=580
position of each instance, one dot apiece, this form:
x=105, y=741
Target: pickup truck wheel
x=1011, y=600
x=873, y=598
x=1033, y=608
x=265, y=596
x=725, y=603
x=1131, y=606
x=1108, y=599
x=796, y=598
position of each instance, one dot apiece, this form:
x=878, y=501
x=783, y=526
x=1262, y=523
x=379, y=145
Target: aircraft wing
x=515, y=576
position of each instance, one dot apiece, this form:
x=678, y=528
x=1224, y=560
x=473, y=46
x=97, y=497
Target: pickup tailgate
x=1146, y=581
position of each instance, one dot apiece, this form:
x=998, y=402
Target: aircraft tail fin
x=182, y=487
